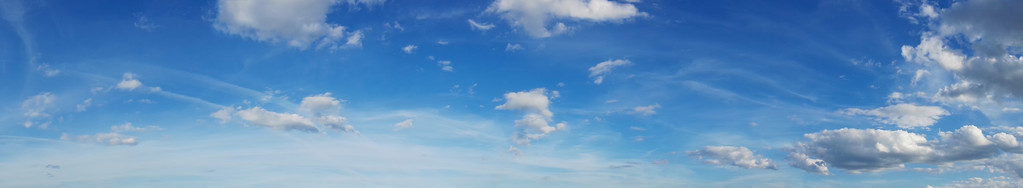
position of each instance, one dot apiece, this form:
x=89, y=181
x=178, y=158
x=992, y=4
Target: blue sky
x=511, y=93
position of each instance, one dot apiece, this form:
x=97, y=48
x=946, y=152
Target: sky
x=511, y=93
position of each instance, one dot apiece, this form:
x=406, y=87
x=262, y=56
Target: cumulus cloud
x=535, y=124
x=597, y=72
x=324, y=109
x=979, y=42
x=224, y=114
x=733, y=156
x=128, y=82
x=534, y=16
x=480, y=26
x=112, y=139
x=408, y=49
x=645, y=110
x=906, y=116
x=297, y=23
x=37, y=110
x=872, y=150
x=445, y=66
x=279, y=121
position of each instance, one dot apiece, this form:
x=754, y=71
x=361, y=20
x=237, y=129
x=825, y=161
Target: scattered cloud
x=801, y=161
x=993, y=182
x=906, y=116
x=84, y=106
x=597, y=72
x=535, y=15
x=645, y=110
x=278, y=121
x=112, y=139
x=480, y=26
x=128, y=82
x=733, y=156
x=37, y=110
x=445, y=66
x=408, y=49
x=535, y=124
x=224, y=114
x=404, y=124
x=127, y=127
x=513, y=47
x=299, y=24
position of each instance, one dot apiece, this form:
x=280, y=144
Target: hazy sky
x=511, y=93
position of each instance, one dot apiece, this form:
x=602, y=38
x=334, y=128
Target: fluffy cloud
x=597, y=72
x=871, y=150
x=128, y=82
x=298, y=23
x=645, y=110
x=906, y=116
x=978, y=41
x=808, y=164
x=37, y=110
x=320, y=104
x=112, y=139
x=513, y=47
x=223, y=114
x=279, y=121
x=408, y=49
x=480, y=26
x=534, y=16
x=535, y=124
x=732, y=155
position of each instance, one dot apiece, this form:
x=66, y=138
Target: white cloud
x=906, y=116
x=534, y=15
x=535, y=124
x=513, y=47
x=994, y=182
x=127, y=127
x=808, y=164
x=112, y=139
x=408, y=49
x=278, y=121
x=637, y=128
x=603, y=68
x=224, y=114
x=320, y=104
x=732, y=155
x=37, y=109
x=85, y=104
x=404, y=124
x=480, y=26
x=297, y=23
x=128, y=82
x=445, y=66
x=645, y=110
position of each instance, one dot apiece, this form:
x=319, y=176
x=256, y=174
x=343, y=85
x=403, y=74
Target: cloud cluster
x=977, y=41
x=872, y=150
x=298, y=23
x=37, y=110
x=317, y=112
x=994, y=182
x=128, y=82
x=597, y=72
x=732, y=155
x=906, y=116
x=535, y=124
x=534, y=16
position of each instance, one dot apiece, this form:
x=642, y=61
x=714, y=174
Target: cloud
x=278, y=121
x=480, y=26
x=994, y=182
x=603, y=68
x=224, y=114
x=872, y=150
x=732, y=155
x=645, y=110
x=906, y=116
x=445, y=66
x=535, y=15
x=84, y=106
x=535, y=124
x=128, y=82
x=408, y=49
x=324, y=108
x=403, y=124
x=808, y=164
x=127, y=127
x=299, y=24
x=112, y=139
x=978, y=42
x=37, y=110
x=513, y=47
